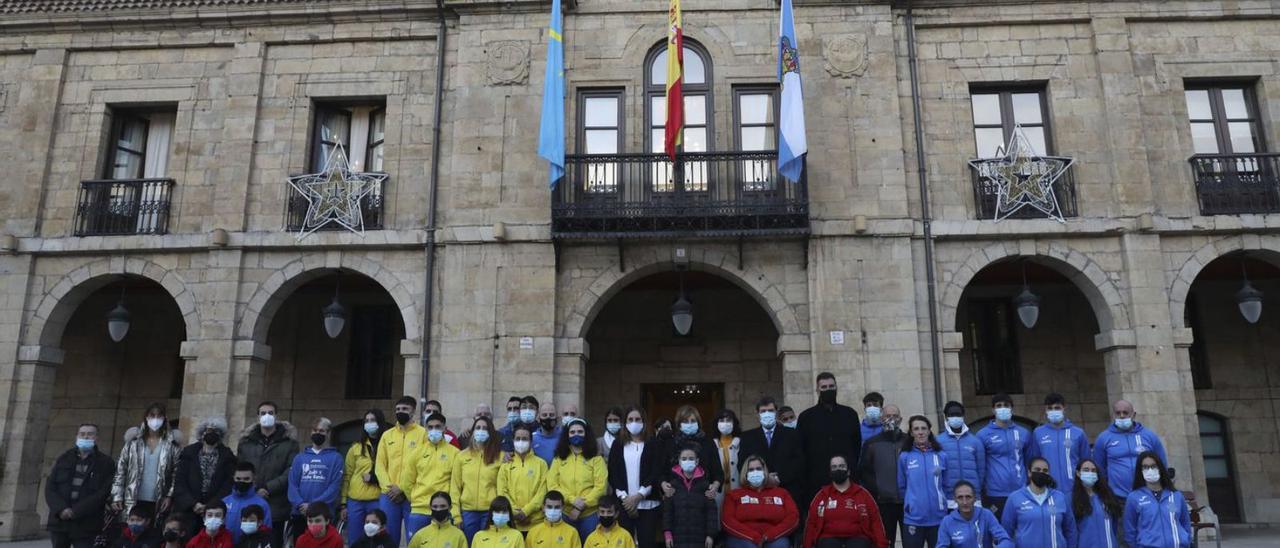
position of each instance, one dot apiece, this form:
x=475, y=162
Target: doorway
x=1219, y=476
x=661, y=400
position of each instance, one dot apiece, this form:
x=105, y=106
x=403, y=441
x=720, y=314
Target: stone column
x=411, y=356
x=34, y=373
x=569, y=370
x=952, y=346
x=797, y=372
x=244, y=392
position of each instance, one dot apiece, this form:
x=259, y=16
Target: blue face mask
x=434, y=436
x=1055, y=416
x=249, y=527
x=613, y=427
x=84, y=444
x=768, y=418
x=1003, y=414
x=552, y=514
x=955, y=423
x=137, y=529
x=755, y=478
x=1088, y=478
x=528, y=416
x=513, y=416
x=371, y=428
x=480, y=436
x=501, y=520
x=689, y=428
x=873, y=413
x=576, y=441
x=688, y=465
x=1124, y=424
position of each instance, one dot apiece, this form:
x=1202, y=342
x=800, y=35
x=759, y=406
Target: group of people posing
x=547, y=478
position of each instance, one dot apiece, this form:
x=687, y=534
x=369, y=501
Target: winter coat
x=220, y=540
x=187, y=481
x=259, y=539
x=1063, y=446
x=1050, y=524
x=981, y=529
x=966, y=459
x=1152, y=521
x=827, y=432
x=272, y=456
x=1006, y=448
x=731, y=480
x=575, y=476
x=1099, y=528
x=132, y=464
x=236, y=503
x=331, y=539
x=315, y=477
x=359, y=462
x=879, y=466
x=149, y=538
x=523, y=480
x=688, y=516
x=86, y=520
x=869, y=431
x=924, y=502
x=848, y=514
x=707, y=454
x=783, y=455
x=653, y=468
x=380, y=540
x=473, y=484
x=759, y=515
x=1116, y=453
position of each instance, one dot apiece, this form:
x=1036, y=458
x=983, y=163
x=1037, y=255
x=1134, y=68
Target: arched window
x=698, y=133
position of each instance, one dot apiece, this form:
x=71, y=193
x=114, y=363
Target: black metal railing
x=1232, y=184
x=702, y=194
x=126, y=206
x=371, y=209
x=987, y=198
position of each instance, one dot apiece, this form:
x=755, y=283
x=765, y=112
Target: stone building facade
x=1138, y=285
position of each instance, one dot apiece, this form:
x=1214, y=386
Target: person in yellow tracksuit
x=499, y=534
x=396, y=448
x=360, y=491
x=440, y=532
x=474, y=481
x=428, y=474
x=523, y=480
x=553, y=532
x=609, y=534
x=578, y=472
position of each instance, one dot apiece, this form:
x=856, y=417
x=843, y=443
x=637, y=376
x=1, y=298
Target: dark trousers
x=64, y=540
x=917, y=536
x=995, y=504
x=644, y=526
x=844, y=542
x=891, y=516
x=277, y=531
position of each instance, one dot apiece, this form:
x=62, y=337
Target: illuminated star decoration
x=334, y=194
x=1022, y=177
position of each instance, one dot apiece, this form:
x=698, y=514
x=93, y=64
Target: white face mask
x=635, y=428
x=725, y=427
x=791, y=424
x=267, y=421
x=371, y=529
x=521, y=446
x=1151, y=475
x=155, y=423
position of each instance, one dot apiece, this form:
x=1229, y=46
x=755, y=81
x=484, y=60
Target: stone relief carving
x=846, y=55
x=508, y=62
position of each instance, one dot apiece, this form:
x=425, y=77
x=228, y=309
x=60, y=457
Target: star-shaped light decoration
x=334, y=194
x=1022, y=177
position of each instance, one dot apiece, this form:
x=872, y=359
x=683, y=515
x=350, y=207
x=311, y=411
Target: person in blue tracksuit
x=1117, y=448
x=1038, y=515
x=1155, y=514
x=1061, y=443
x=1097, y=509
x=872, y=423
x=966, y=456
x=316, y=475
x=920, y=467
x=242, y=496
x=970, y=526
x=1006, y=446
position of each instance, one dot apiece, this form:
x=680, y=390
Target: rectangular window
x=359, y=128
x=993, y=342
x=697, y=135
x=997, y=111
x=1223, y=118
x=372, y=352
x=756, y=115
x=139, y=143
x=600, y=133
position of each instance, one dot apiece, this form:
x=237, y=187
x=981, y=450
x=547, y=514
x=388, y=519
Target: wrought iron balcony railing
x=703, y=194
x=986, y=197
x=370, y=209
x=127, y=206
x=1233, y=184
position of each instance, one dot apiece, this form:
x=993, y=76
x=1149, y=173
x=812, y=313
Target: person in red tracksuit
x=319, y=534
x=843, y=514
x=758, y=515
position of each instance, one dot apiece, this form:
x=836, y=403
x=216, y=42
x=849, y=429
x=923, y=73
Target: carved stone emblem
x=508, y=62
x=846, y=55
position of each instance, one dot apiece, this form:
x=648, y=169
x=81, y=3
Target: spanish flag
x=675, y=79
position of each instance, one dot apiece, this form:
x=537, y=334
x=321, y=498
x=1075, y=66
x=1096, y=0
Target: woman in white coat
x=729, y=434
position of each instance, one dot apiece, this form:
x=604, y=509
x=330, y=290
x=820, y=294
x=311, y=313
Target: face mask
x=1041, y=479
x=547, y=423
x=1151, y=475
x=440, y=515
x=528, y=415
x=267, y=421
x=1124, y=424
x=520, y=446
x=576, y=441
x=1088, y=478
x=689, y=428
x=316, y=529
x=402, y=418
x=635, y=428
x=1055, y=416
x=725, y=428
x=243, y=487
x=1003, y=414
x=608, y=521
x=613, y=427
x=249, y=527
x=501, y=520
x=155, y=424
x=827, y=397
x=955, y=423
x=137, y=529
x=688, y=465
x=566, y=420
x=212, y=437
x=791, y=424
x=552, y=514
x=873, y=413
x=371, y=529
x=171, y=536
x=889, y=424
x=84, y=444
x=768, y=418
x=434, y=436
x=513, y=416
x=318, y=438
x=755, y=478
x=212, y=525
x=480, y=436
x=371, y=428
x=839, y=476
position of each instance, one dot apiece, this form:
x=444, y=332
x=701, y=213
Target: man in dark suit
x=780, y=447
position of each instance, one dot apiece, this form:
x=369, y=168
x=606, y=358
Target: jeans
x=397, y=514
x=917, y=536
x=356, y=511
x=473, y=522
x=415, y=522
x=585, y=525
x=735, y=542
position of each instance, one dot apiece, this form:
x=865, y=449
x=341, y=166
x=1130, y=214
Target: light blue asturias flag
x=792, y=145
x=551, y=130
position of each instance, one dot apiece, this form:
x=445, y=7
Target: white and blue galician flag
x=551, y=130
x=792, y=145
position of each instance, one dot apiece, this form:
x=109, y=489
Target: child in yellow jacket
x=553, y=532
x=578, y=472
x=609, y=534
x=499, y=533
x=440, y=532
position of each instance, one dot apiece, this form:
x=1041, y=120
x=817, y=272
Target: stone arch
x=1266, y=248
x=62, y=299
x=255, y=319
x=764, y=291
x=1092, y=280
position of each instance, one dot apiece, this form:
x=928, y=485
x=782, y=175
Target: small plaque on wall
x=837, y=337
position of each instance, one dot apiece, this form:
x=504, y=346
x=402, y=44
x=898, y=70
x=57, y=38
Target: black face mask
x=1041, y=479
x=839, y=476
x=402, y=418
x=440, y=515
x=318, y=439
x=171, y=536
x=243, y=487
x=827, y=397
x=212, y=437
x=547, y=424
x=608, y=521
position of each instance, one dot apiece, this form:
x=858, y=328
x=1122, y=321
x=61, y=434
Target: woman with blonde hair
x=689, y=432
x=758, y=514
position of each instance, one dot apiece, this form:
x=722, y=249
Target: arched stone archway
x=1265, y=248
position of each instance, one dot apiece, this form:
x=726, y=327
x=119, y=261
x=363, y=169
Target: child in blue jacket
x=920, y=468
x=966, y=456
x=316, y=474
x=242, y=496
x=970, y=526
x=1155, y=514
x=1006, y=447
x=1039, y=516
x=1063, y=444
x=1097, y=509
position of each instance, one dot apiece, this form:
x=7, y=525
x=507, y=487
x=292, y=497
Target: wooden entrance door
x=662, y=400
x=1219, y=474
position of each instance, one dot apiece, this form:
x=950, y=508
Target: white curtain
x=159, y=134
